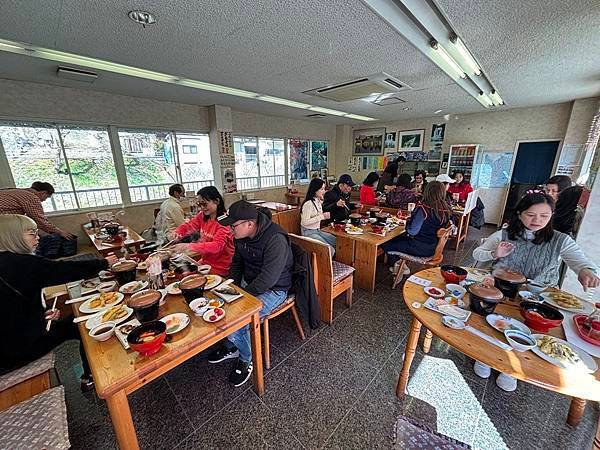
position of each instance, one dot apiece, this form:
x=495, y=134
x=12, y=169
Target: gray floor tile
x=315, y=388
x=246, y=423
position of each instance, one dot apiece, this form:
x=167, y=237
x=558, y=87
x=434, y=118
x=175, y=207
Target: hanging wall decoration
x=318, y=155
x=437, y=139
x=298, y=151
x=369, y=142
x=410, y=140
x=227, y=159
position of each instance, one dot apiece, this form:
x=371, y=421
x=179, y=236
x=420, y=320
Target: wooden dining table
x=133, y=239
x=525, y=366
x=361, y=251
x=118, y=372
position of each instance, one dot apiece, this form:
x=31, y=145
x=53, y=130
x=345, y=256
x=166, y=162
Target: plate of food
x=227, y=293
x=567, y=302
x=212, y=281
x=503, y=323
x=563, y=354
x=476, y=275
x=100, y=302
x=142, y=265
x=442, y=306
x=90, y=285
x=115, y=314
x=214, y=315
x=351, y=229
x=133, y=287
x=434, y=292
x=173, y=288
x=121, y=331
x=105, y=275
x=176, y=322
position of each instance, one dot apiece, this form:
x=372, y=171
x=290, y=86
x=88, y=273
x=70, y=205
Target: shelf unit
x=462, y=157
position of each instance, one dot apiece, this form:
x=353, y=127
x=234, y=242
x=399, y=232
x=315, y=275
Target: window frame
x=285, y=174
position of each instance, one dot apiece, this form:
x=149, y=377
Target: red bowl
x=150, y=347
x=377, y=228
x=453, y=274
x=339, y=226
x=540, y=317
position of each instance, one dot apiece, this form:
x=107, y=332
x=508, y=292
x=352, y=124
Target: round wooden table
x=525, y=366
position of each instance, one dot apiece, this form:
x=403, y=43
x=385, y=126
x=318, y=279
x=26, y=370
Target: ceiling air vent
x=71, y=73
x=316, y=116
x=385, y=100
x=377, y=84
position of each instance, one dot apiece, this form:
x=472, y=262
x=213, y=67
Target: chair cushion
x=412, y=258
x=31, y=370
x=411, y=435
x=341, y=271
x=40, y=422
x=290, y=298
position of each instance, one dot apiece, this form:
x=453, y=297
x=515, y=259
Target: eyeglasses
x=234, y=226
x=32, y=232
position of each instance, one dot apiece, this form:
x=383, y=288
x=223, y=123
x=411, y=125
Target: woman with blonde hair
x=23, y=275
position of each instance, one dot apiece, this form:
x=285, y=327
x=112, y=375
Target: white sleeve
x=310, y=215
x=574, y=257
x=484, y=251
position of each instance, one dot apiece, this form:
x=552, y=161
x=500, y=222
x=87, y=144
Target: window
x=259, y=162
x=194, y=160
x=150, y=165
x=77, y=161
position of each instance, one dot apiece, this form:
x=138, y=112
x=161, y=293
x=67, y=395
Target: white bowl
x=456, y=290
x=107, y=286
x=199, y=306
x=204, y=269
x=104, y=335
x=510, y=334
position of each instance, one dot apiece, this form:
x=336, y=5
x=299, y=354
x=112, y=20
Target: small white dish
x=107, y=286
x=212, y=281
x=534, y=288
x=434, y=292
x=103, y=331
x=173, y=289
x=520, y=341
x=504, y=323
x=204, y=269
x=199, y=306
x=133, y=286
x=176, y=322
x=456, y=290
x=106, y=275
x=214, y=315
x=453, y=322
x=163, y=297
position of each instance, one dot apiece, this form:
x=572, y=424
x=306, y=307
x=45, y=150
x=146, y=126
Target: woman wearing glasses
x=215, y=244
x=23, y=275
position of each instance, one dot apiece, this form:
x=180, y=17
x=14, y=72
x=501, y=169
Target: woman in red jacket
x=461, y=187
x=215, y=244
x=367, y=190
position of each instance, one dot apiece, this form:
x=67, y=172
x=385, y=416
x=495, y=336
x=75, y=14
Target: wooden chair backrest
x=443, y=235
x=289, y=220
x=321, y=263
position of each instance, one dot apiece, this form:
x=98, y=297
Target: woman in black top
x=567, y=215
x=23, y=275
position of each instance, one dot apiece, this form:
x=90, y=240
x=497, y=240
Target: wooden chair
x=443, y=235
x=332, y=278
x=288, y=304
x=23, y=383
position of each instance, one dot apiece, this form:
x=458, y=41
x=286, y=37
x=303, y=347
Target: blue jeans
x=241, y=337
x=320, y=235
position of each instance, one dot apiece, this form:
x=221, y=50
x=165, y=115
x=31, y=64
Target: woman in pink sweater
x=215, y=244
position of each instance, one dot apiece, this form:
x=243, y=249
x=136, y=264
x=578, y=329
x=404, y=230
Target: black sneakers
x=241, y=373
x=222, y=354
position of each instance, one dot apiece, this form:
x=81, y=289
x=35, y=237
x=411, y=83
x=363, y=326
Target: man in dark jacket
x=337, y=200
x=262, y=263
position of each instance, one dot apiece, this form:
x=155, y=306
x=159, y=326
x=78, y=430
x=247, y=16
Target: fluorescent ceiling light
x=449, y=60
x=467, y=57
x=485, y=100
x=122, y=69
x=496, y=98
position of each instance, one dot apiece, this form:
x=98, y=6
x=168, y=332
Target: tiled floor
x=334, y=390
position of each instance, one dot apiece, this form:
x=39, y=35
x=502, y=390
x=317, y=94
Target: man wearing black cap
x=262, y=260
x=337, y=200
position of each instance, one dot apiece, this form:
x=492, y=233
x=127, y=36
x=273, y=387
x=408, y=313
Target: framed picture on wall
x=410, y=140
x=318, y=155
x=298, y=151
x=390, y=142
x=369, y=142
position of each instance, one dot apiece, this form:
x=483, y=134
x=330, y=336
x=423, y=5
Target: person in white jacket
x=312, y=214
x=170, y=216
x=531, y=246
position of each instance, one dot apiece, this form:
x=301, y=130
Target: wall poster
x=368, y=142
x=298, y=149
x=318, y=155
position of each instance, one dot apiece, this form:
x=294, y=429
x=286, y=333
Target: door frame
x=514, y=161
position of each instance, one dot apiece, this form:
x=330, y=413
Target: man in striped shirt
x=28, y=202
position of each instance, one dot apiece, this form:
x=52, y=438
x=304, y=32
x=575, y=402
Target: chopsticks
x=49, y=323
x=167, y=244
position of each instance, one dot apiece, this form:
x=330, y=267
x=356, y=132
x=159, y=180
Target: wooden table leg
x=576, y=411
x=427, y=341
x=120, y=414
x=409, y=354
x=257, y=358
x=365, y=263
